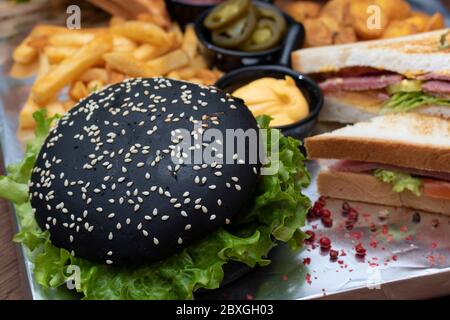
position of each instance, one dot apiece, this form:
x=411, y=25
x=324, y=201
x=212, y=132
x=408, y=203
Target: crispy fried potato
x=123, y=44
x=190, y=41
x=23, y=70
x=49, y=85
x=177, y=35
x=24, y=53
x=55, y=107
x=95, y=85
x=113, y=76
x=399, y=28
x=26, y=120
x=436, y=22
x=300, y=10
x=56, y=54
x=395, y=9
x=367, y=24
x=78, y=91
x=147, y=51
x=345, y=35
x=94, y=74
x=142, y=32
x=168, y=62
x=317, y=33
x=71, y=38
x=339, y=9
x=68, y=104
x=114, y=21
x=130, y=66
x=420, y=20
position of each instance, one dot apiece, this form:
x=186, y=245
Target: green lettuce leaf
x=277, y=211
x=400, y=181
x=405, y=101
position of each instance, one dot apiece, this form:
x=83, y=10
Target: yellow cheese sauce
x=279, y=98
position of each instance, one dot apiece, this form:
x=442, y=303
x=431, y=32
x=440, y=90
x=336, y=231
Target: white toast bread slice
x=409, y=55
x=366, y=188
x=407, y=140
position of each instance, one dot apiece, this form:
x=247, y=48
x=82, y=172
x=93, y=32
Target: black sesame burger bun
x=105, y=184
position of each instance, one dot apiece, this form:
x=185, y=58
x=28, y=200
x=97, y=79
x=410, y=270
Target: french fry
x=174, y=75
x=147, y=51
x=68, y=104
x=113, y=76
x=43, y=66
x=71, y=38
x=94, y=74
x=56, y=54
x=130, y=66
x=78, y=91
x=114, y=21
x=168, y=62
x=419, y=20
x=436, y=22
x=123, y=44
x=49, y=85
x=26, y=120
x=95, y=85
x=177, y=35
x=207, y=76
x=24, y=53
x=55, y=107
x=190, y=41
x=141, y=32
x=23, y=70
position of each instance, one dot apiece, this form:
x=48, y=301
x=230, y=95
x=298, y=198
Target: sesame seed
x=165, y=217
x=212, y=217
x=155, y=241
x=110, y=236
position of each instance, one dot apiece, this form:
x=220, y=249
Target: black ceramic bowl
x=313, y=95
x=186, y=11
x=228, y=59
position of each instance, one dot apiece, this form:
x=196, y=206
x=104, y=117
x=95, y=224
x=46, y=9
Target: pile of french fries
x=70, y=64
x=345, y=21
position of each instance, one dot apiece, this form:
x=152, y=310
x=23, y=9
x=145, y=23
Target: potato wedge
x=395, y=9
x=435, y=22
x=367, y=24
x=49, y=85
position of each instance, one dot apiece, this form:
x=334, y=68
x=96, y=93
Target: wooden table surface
x=12, y=277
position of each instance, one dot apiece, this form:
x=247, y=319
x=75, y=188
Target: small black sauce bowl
x=313, y=95
x=184, y=12
x=228, y=59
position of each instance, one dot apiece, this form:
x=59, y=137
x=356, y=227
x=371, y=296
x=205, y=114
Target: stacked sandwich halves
x=398, y=160
x=360, y=81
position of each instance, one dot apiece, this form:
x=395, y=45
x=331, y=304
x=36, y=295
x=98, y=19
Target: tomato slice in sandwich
x=436, y=189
